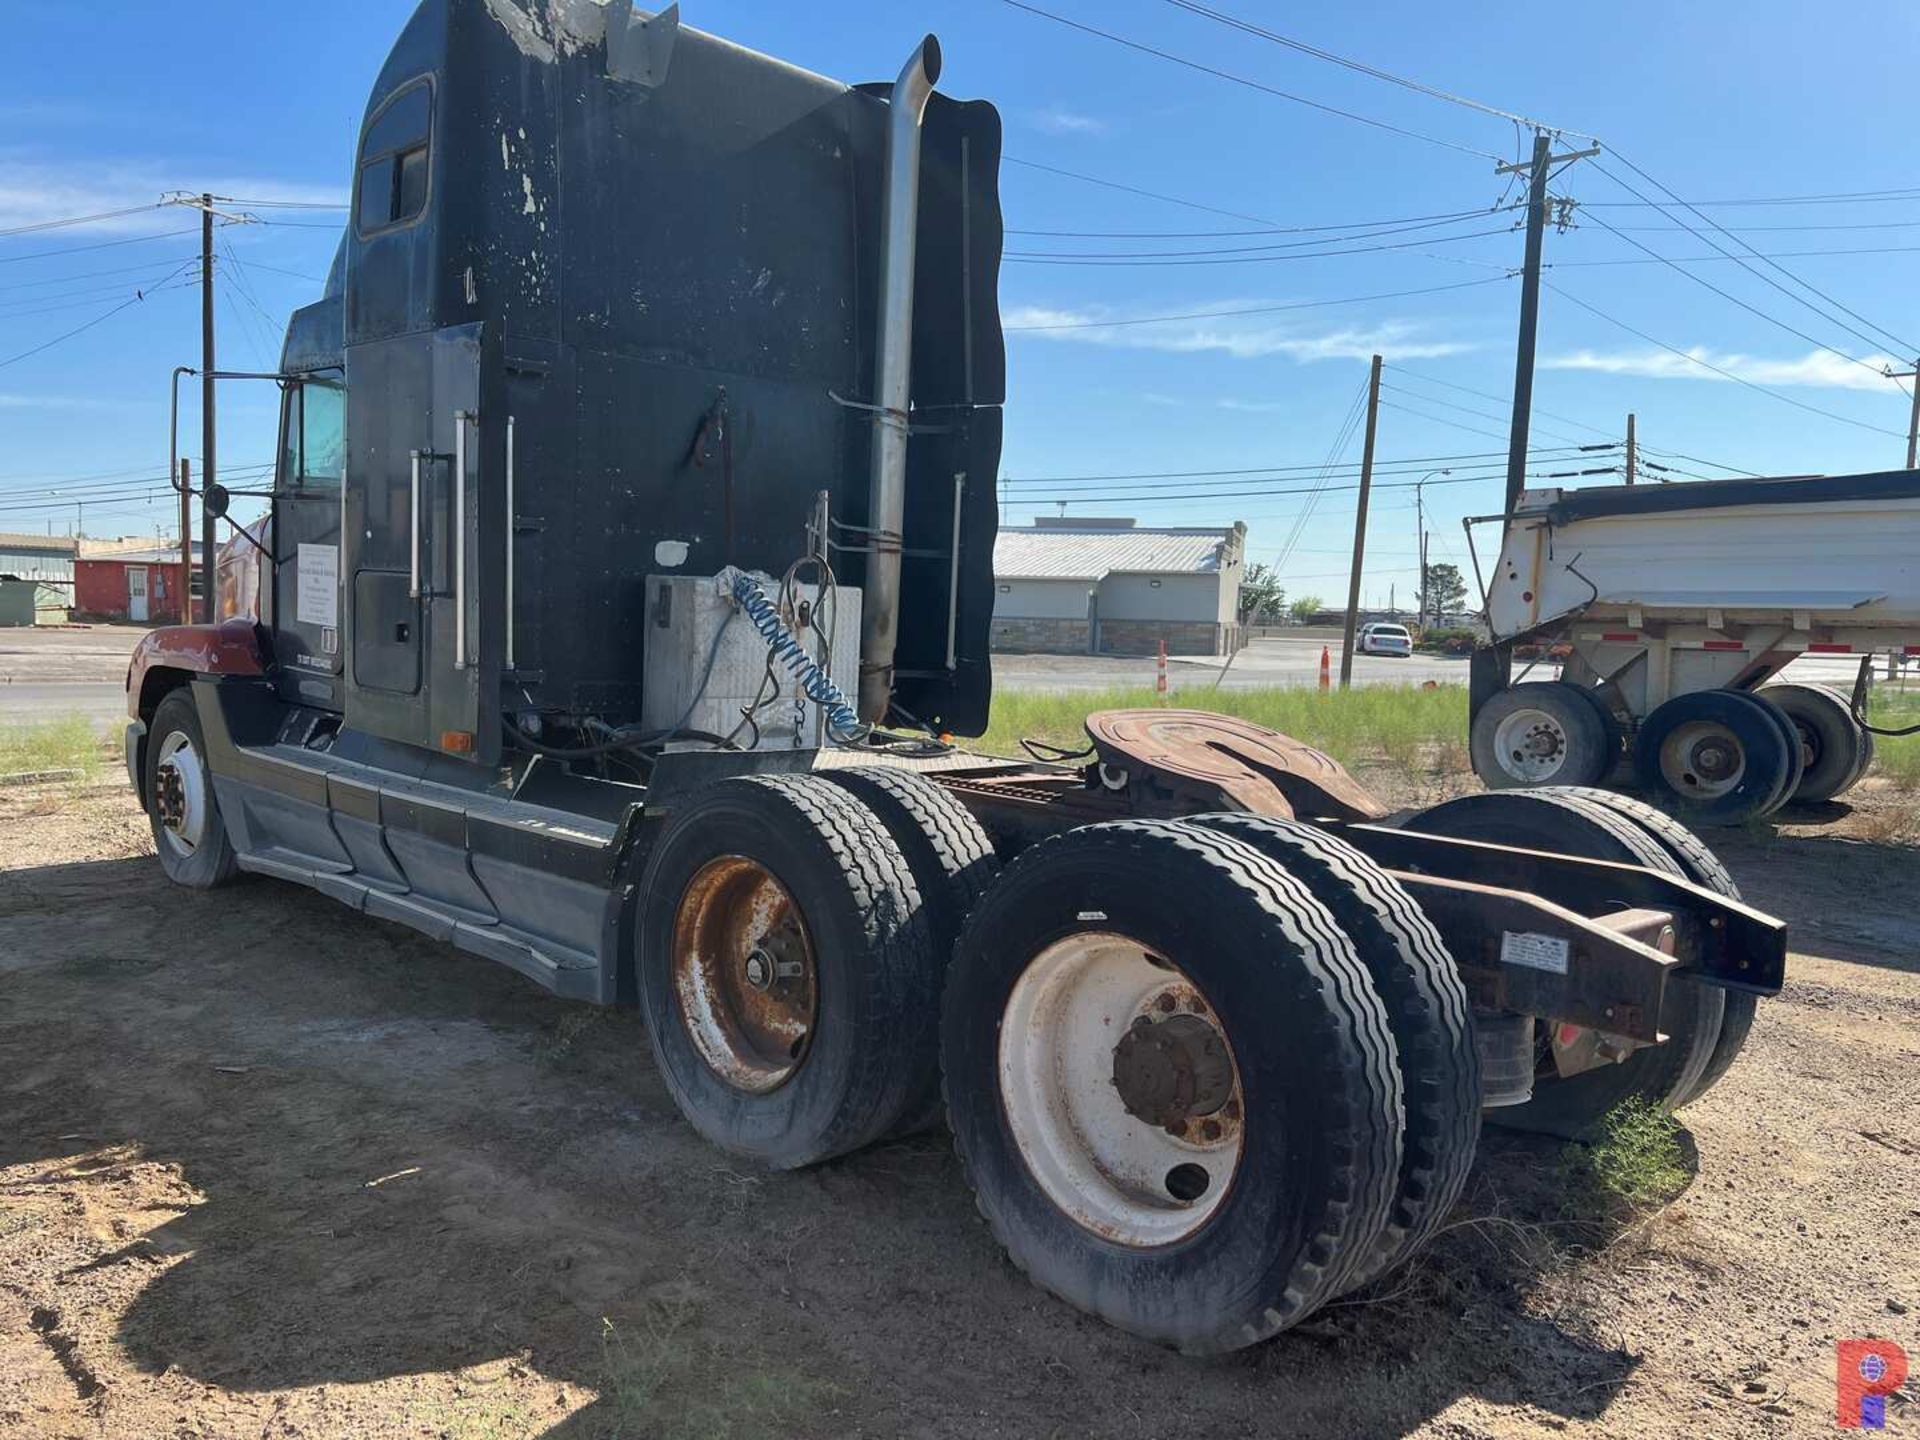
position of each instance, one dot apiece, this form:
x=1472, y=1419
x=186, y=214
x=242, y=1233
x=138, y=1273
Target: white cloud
x=1817, y=368
x=1253, y=407
x=1244, y=340
x=1059, y=120
x=33, y=193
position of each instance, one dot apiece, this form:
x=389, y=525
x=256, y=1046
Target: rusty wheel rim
x=743, y=969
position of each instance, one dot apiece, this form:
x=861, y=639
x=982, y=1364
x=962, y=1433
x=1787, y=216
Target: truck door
x=421, y=463
x=305, y=538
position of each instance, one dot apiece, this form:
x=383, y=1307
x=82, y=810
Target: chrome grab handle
x=460, y=418
x=510, y=540
x=413, y=508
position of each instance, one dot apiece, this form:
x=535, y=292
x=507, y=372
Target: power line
x=1257, y=309
x=148, y=266
x=1237, y=234
x=1407, y=460
x=98, y=245
x=77, y=330
x=1389, y=228
x=1247, y=27
x=1041, y=257
x=290, y=204
x=1758, y=255
x=77, y=220
x=1908, y=346
x=1724, y=374
x=1265, y=89
x=1469, y=410
x=1134, y=190
x=1497, y=399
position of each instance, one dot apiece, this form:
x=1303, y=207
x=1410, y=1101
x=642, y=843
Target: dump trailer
x=627, y=578
x=1676, y=607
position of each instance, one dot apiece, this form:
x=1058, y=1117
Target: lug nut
x=1231, y=1110
x=1210, y=1130
x=1166, y=1003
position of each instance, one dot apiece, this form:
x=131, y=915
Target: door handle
x=413, y=510
x=510, y=540
x=460, y=418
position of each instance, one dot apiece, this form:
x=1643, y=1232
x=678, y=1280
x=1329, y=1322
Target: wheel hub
x=1171, y=1071
x=1531, y=745
x=170, y=797
x=743, y=969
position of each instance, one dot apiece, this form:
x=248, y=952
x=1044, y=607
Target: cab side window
x=395, y=161
x=314, y=444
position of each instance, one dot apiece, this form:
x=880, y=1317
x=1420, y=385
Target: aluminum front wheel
x=180, y=794
x=1120, y=1089
x=744, y=972
x=1531, y=745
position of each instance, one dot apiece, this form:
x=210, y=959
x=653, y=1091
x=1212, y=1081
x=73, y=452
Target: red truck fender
x=170, y=657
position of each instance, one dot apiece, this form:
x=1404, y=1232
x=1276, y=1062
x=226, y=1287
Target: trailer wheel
x=1548, y=733
x=1572, y=1106
x=1714, y=755
x=784, y=969
x=1171, y=1084
x=1700, y=865
x=1427, y=1011
x=1830, y=738
x=952, y=862
x=182, y=808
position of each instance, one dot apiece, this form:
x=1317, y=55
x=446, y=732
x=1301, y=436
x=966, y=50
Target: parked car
x=1381, y=638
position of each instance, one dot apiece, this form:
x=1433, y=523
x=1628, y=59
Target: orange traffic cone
x=1326, y=670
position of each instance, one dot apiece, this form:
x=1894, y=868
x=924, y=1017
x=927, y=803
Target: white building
x=1079, y=586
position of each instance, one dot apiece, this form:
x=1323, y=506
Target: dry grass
x=1416, y=731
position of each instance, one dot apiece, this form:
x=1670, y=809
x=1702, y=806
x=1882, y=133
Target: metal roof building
x=46, y=558
x=1083, y=585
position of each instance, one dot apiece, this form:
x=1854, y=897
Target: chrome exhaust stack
x=887, y=484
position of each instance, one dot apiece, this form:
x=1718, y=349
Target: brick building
x=1083, y=586
x=137, y=579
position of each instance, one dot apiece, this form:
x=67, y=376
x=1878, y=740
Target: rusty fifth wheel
x=784, y=969
x=1171, y=1083
x=188, y=832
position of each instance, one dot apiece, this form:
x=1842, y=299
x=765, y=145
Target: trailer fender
x=170, y=657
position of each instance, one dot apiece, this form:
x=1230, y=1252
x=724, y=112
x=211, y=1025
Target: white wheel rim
x=1703, y=759
x=1531, y=745
x=1105, y=1167
x=180, y=794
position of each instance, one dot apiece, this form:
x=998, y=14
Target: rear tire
x=1714, y=756
x=1572, y=1106
x=182, y=808
x=1831, y=739
x=1427, y=1011
x=952, y=863
x=1790, y=740
x=784, y=969
x=1062, y=1137
x=1547, y=733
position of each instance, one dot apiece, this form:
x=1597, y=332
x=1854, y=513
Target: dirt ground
x=272, y=1169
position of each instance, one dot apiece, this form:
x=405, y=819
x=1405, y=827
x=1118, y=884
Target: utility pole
x=1360, y=527
x=208, y=472
x=1420, y=532
x=1537, y=171
x=1633, y=453
x=186, y=541
x=1913, y=425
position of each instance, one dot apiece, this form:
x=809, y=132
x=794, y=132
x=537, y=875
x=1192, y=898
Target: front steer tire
x=1316, y=1072
x=853, y=919
x=204, y=859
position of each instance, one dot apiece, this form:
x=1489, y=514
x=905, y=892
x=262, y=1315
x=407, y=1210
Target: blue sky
x=106, y=106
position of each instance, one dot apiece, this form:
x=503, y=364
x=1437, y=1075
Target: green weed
x=68, y=744
x=1405, y=727
x=1634, y=1166
x=663, y=1380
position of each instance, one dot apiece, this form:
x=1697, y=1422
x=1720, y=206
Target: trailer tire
x=1427, y=1010
x=1674, y=739
x=1702, y=867
x=1572, y=1106
x=1547, y=733
x=952, y=862
x=182, y=807
x=788, y=887
x=1107, y=921
x=1831, y=739
x=1790, y=738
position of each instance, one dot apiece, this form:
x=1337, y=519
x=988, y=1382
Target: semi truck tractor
x=626, y=582
x=1677, y=607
